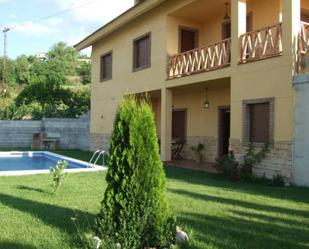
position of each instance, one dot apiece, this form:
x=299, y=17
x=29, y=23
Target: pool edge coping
x=89, y=167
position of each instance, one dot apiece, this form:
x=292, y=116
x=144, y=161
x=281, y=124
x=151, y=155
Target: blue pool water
x=32, y=162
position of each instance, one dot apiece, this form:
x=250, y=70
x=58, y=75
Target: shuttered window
x=226, y=30
x=188, y=40
x=141, y=52
x=106, y=66
x=259, y=122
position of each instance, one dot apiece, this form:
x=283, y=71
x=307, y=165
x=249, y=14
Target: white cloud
x=54, y=21
x=50, y=26
x=31, y=28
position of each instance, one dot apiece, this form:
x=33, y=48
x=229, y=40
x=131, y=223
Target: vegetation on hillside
x=56, y=87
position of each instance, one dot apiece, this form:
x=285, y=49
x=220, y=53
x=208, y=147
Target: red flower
x=235, y=177
x=235, y=165
x=247, y=168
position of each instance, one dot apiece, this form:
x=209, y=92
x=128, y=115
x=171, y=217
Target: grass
x=216, y=213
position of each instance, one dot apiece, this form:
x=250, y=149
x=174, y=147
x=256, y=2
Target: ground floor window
x=258, y=122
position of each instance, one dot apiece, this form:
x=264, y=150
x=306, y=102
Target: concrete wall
x=73, y=133
x=301, y=128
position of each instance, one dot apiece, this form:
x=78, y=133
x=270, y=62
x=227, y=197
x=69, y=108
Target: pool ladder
x=96, y=156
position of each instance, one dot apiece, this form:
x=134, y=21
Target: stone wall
x=210, y=148
x=72, y=133
x=99, y=141
x=301, y=131
x=277, y=161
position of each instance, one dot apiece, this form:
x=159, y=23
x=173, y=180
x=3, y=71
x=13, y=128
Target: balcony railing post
x=239, y=19
x=290, y=30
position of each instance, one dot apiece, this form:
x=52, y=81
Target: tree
x=84, y=71
x=134, y=210
x=22, y=69
x=11, y=80
x=65, y=56
x=48, y=71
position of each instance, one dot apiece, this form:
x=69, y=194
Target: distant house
x=87, y=60
x=218, y=74
x=41, y=56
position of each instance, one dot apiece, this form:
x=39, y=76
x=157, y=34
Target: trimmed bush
x=134, y=210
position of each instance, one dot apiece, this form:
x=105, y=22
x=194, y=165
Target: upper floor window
x=304, y=15
x=106, y=71
x=142, y=52
x=226, y=30
x=188, y=39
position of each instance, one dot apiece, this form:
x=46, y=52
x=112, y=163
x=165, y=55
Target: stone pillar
x=290, y=16
x=239, y=24
x=166, y=124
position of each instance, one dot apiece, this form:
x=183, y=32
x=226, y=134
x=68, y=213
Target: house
x=221, y=73
x=41, y=56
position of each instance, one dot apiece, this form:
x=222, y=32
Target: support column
x=239, y=26
x=166, y=124
x=290, y=15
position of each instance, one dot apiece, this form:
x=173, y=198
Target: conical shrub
x=134, y=210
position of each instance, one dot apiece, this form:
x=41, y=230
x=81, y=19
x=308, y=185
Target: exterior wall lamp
x=206, y=102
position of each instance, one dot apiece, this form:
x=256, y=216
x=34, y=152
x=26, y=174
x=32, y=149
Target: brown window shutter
x=106, y=66
x=259, y=123
x=226, y=30
x=249, y=22
x=188, y=40
x=142, y=52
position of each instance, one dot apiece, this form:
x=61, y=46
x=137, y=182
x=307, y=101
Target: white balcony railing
x=261, y=44
x=199, y=60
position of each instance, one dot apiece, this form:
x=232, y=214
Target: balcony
x=261, y=44
x=200, y=60
x=303, y=48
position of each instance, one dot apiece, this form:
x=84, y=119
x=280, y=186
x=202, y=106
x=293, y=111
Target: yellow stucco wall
x=267, y=78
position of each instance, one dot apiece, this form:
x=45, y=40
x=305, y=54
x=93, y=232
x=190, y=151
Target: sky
x=30, y=36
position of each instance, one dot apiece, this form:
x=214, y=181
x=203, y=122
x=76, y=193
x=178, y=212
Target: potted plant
x=198, y=149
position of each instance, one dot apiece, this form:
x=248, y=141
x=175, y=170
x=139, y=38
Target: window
x=188, y=39
x=249, y=23
x=141, y=52
x=179, y=120
x=304, y=16
x=106, y=71
x=258, y=121
x=226, y=30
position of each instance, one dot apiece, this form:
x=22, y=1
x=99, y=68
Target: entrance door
x=188, y=39
x=179, y=124
x=224, y=131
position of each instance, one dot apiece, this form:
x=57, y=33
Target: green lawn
x=215, y=212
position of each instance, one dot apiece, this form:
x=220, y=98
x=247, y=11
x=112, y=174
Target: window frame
x=134, y=68
x=102, y=79
x=246, y=120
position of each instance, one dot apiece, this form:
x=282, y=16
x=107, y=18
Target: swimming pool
x=39, y=162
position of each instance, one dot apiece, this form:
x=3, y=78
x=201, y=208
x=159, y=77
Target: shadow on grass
x=240, y=203
x=14, y=245
x=24, y=187
x=52, y=215
x=239, y=232
x=214, y=180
